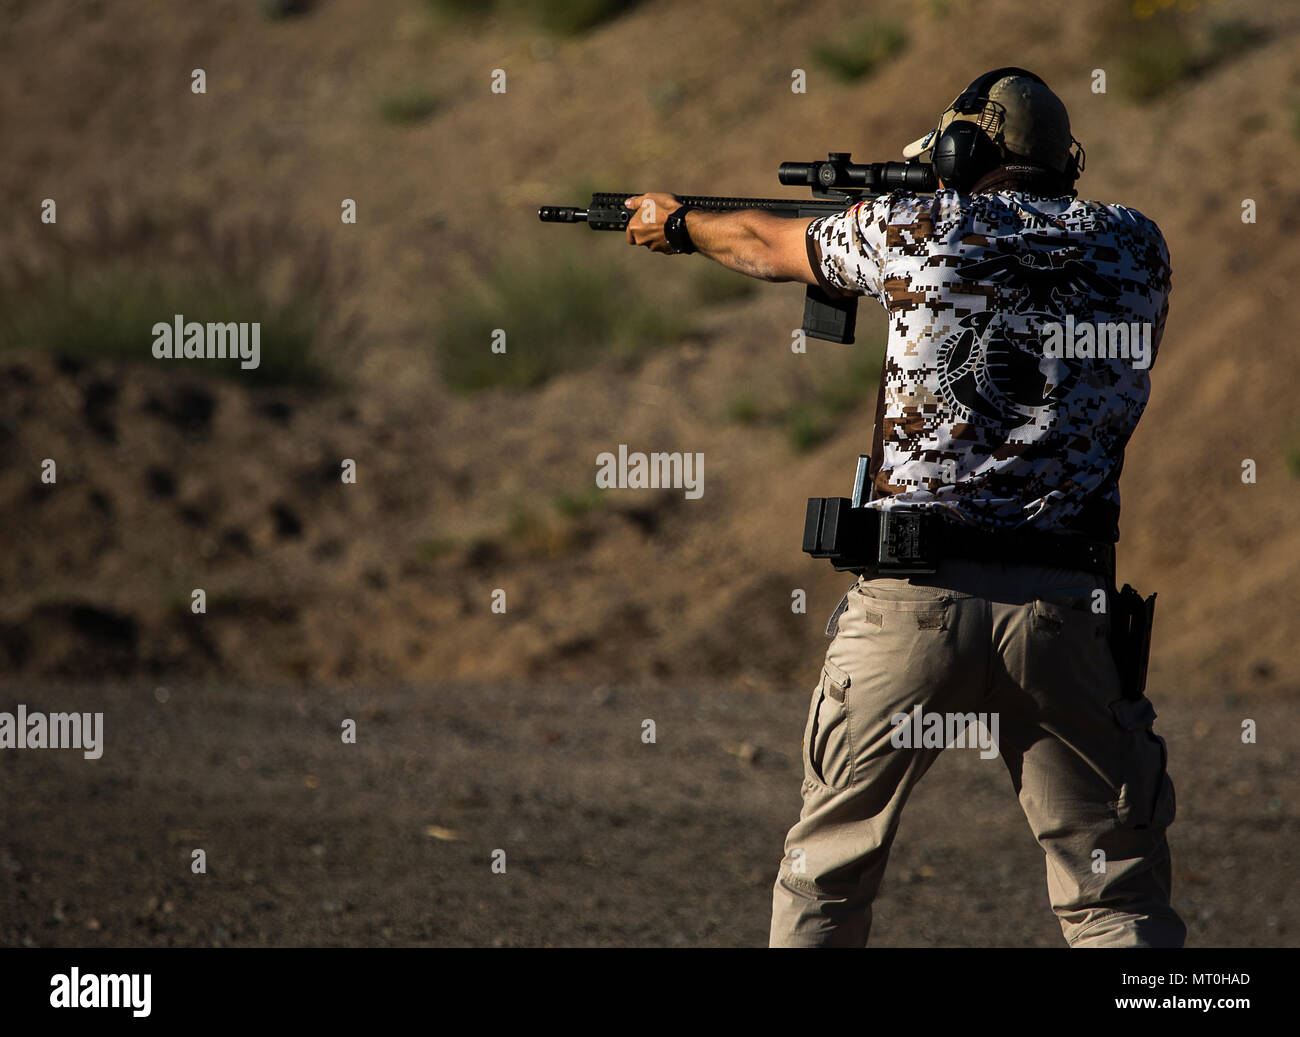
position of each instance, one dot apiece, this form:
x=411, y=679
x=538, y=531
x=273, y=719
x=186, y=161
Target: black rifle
x=836, y=184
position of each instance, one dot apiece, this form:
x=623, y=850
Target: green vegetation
x=815, y=412
x=1150, y=63
x=1230, y=38
x=523, y=523
x=743, y=409
x=1254, y=122
x=274, y=10
x=582, y=502
x=110, y=313
x=861, y=48
x=805, y=428
x=100, y=293
x=527, y=528
x=567, y=17
x=578, y=189
x=1162, y=47
x=539, y=535
x=664, y=97
x=435, y=548
x=716, y=284
x=176, y=600
x=461, y=8
x=572, y=16
x=1293, y=456
x=561, y=311
x=810, y=422
x=409, y=107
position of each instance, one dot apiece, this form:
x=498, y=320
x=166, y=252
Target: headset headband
x=973, y=97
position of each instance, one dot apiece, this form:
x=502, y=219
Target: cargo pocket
x=911, y=643
x=828, y=743
x=1146, y=798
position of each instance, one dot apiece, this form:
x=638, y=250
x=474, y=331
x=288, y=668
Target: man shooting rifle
x=983, y=531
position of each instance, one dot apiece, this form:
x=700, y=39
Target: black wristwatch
x=676, y=233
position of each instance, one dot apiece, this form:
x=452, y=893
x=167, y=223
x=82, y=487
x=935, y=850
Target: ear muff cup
x=964, y=153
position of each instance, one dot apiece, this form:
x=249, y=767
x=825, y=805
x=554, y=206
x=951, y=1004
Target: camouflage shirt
x=986, y=414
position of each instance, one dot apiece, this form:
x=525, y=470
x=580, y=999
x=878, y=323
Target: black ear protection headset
x=966, y=149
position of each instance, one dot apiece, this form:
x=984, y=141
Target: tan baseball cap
x=1035, y=125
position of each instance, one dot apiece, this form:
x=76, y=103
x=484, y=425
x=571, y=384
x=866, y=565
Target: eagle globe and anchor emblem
x=992, y=370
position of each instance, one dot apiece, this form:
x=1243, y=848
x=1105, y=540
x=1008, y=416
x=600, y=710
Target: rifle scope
x=838, y=173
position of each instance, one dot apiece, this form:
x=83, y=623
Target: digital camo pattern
x=978, y=419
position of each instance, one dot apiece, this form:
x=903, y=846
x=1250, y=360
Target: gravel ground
x=608, y=841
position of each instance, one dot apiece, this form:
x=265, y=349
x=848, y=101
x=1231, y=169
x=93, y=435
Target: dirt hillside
x=170, y=479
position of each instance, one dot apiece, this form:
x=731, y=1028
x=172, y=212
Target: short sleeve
x=1165, y=283
x=1150, y=256
x=847, y=250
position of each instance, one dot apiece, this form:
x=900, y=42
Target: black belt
x=915, y=540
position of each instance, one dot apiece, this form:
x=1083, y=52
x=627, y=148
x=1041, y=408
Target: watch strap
x=676, y=233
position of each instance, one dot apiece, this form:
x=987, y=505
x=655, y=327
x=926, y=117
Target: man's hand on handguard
x=749, y=241
x=646, y=224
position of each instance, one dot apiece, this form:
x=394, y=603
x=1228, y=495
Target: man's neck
x=1024, y=176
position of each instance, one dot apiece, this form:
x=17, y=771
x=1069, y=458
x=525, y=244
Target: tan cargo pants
x=1021, y=647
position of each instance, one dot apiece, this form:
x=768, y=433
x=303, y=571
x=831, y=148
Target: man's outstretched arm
x=750, y=241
